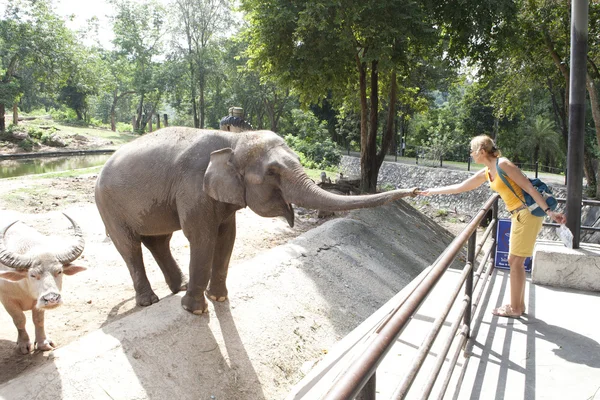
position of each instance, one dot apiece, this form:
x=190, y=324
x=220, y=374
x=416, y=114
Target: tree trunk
x=2, y=123
x=372, y=142
x=139, y=114
x=588, y=168
x=595, y=105
x=113, y=123
x=15, y=114
x=202, y=105
x=193, y=94
x=364, y=132
x=390, y=132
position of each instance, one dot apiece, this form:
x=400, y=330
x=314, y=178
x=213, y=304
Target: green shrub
x=123, y=127
x=315, y=155
x=26, y=144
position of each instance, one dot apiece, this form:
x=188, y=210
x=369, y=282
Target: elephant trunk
x=305, y=193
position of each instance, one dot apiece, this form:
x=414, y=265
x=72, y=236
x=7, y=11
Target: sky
x=82, y=11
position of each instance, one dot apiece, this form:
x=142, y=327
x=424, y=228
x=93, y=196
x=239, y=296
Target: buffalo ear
x=73, y=269
x=222, y=181
x=13, y=276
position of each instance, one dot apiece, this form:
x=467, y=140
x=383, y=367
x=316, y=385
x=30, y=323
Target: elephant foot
x=45, y=345
x=193, y=305
x=146, y=299
x=178, y=284
x=220, y=297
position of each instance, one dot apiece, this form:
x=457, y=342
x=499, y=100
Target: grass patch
x=315, y=174
x=68, y=174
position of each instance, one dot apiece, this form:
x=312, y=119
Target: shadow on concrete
x=571, y=346
x=19, y=363
x=114, y=315
x=177, y=355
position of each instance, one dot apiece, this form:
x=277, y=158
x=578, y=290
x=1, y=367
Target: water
x=30, y=166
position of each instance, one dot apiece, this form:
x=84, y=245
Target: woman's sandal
x=506, y=311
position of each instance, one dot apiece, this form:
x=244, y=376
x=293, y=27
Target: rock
x=20, y=135
x=55, y=140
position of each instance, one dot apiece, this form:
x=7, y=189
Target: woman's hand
x=424, y=192
x=559, y=218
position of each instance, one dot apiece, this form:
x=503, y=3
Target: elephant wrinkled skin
x=195, y=180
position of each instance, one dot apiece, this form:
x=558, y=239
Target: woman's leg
x=517, y=283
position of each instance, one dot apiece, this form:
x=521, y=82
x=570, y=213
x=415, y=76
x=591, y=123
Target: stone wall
x=409, y=175
x=405, y=176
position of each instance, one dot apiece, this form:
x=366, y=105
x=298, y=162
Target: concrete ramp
x=287, y=307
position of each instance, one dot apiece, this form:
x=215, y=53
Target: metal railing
x=359, y=379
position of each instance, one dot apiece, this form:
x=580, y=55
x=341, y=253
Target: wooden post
x=15, y=114
x=157, y=121
x=150, y=122
x=166, y=120
x=133, y=127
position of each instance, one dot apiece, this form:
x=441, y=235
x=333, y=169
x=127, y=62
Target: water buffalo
x=31, y=271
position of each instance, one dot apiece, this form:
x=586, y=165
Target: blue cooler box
x=503, y=237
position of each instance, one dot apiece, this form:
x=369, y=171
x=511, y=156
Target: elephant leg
x=130, y=249
x=217, y=289
x=160, y=249
x=202, y=245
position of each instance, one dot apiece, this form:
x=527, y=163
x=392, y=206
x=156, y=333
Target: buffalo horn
x=75, y=251
x=10, y=259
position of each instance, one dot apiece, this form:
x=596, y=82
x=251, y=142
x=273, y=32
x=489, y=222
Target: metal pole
x=369, y=392
x=469, y=281
x=579, y=36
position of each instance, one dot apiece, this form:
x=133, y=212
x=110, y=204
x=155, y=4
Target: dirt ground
x=104, y=292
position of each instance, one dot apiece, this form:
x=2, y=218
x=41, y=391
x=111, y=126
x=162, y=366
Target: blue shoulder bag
x=529, y=202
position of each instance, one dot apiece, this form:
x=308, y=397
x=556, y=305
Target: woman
x=525, y=226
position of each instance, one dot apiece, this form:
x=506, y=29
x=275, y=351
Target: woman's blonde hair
x=486, y=143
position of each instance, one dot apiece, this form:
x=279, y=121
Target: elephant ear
x=222, y=181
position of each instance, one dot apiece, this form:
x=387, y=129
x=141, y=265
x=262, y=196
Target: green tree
x=365, y=41
x=139, y=30
x=35, y=44
x=541, y=139
x=202, y=23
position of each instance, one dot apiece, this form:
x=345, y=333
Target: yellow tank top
x=512, y=202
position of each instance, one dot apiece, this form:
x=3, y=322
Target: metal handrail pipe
x=464, y=332
x=432, y=378
x=419, y=359
x=479, y=270
x=484, y=237
x=435, y=371
x=357, y=375
x=583, y=227
x=464, y=335
x=583, y=202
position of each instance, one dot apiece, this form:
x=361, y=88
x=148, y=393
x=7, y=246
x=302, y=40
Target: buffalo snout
x=50, y=300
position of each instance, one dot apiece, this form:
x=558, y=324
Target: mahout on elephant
x=195, y=180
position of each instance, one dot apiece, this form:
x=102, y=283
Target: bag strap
x=502, y=176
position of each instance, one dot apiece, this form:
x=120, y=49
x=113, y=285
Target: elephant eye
x=271, y=172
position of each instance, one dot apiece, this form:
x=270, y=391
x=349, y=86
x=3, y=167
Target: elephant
x=195, y=180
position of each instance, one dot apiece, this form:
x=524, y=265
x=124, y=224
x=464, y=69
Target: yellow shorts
x=524, y=229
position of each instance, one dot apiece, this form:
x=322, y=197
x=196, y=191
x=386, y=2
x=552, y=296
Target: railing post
x=368, y=391
x=469, y=282
x=537, y=166
x=469, y=162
